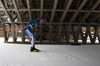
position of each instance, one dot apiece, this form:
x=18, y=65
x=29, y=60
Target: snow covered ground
x=50, y=55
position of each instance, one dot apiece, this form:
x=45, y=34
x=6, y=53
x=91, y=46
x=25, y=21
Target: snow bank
x=50, y=55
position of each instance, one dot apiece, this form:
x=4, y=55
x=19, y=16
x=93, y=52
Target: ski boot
x=34, y=49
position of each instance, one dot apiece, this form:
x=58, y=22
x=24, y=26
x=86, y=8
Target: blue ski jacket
x=32, y=24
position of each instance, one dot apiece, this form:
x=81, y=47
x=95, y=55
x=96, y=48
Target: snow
x=50, y=55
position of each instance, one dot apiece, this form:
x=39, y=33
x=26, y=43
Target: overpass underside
x=66, y=21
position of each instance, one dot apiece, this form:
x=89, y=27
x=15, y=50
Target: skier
x=28, y=30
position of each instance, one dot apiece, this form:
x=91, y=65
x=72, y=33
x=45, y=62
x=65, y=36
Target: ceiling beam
x=66, y=1
x=79, y=9
x=86, y=15
x=29, y=9
x=66, y=10
x=78, y=3
x=53, y=11
x=90, y=3
x=71, y=10
x=94, y=18
x=5, y=10
x=42, y=1
x=63, y=23
x=16, y=9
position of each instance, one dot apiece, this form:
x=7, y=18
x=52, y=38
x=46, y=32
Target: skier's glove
x=25, y=28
